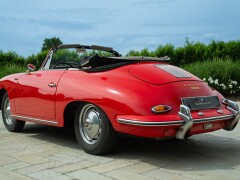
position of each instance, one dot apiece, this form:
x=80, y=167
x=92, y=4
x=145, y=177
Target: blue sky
x=123, y=25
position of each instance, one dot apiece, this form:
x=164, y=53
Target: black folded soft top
x=99, y=63
x=96, y=63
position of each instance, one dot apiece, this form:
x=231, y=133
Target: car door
x=36, y=94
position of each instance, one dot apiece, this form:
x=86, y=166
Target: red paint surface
x=129, y=91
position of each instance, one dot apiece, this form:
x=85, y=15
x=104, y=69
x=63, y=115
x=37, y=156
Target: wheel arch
x=70, y=111
x=2, y=92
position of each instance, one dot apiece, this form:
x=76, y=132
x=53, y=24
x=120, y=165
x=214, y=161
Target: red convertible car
x=103, y=95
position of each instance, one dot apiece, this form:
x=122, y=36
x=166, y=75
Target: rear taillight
x=161, y=109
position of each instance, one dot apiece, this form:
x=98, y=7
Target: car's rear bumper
x=181, y=125
x=137, y=120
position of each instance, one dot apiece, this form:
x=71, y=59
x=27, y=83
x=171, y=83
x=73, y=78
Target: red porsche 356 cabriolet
x=105, y=95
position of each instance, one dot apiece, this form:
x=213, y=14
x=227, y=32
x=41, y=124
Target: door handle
x=52, y=84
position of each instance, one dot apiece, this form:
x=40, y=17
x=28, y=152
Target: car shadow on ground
x=59, y=136
x=197, y=153
x=202, y=152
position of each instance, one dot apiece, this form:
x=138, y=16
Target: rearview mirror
x=30, y=68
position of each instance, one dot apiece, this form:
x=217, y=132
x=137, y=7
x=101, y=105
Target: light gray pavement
x=41, y=152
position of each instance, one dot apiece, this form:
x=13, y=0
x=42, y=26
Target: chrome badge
x=192, y=86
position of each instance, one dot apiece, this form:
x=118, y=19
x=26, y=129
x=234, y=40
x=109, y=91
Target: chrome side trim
x=34, y=119
x=144, y=123
x=173, y=123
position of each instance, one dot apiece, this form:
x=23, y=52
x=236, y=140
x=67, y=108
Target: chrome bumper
x=185, y=113
x=136, y=122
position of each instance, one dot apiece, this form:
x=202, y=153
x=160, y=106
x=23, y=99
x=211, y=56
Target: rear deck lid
x=161, y=73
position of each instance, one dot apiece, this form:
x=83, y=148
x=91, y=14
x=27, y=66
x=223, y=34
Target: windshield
x=65, y=56
x=71, y=57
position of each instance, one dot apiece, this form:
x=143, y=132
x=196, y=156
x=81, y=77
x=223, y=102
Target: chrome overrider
x=233, y=107
x=184, y=113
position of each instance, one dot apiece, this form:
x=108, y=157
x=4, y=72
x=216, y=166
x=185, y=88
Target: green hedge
x=11, y=69
x=11, y=57
x=189, y=53
x=194, y=52
x=221, y=74
x=37, y=59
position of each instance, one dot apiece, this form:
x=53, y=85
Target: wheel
x=10, y=123
x=93, y=130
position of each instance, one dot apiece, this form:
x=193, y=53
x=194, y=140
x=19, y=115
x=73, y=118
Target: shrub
x=167, y=50
x=232, y=88
x=11, y=57
x=194, y=51
x=11, y=69
x=38, y=59
x=221, y=74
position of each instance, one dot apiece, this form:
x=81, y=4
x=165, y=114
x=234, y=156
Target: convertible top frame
x=110, y=50
x=109, y=62
x=94, y=47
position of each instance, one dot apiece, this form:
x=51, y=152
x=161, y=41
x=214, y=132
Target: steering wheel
x=69, y=64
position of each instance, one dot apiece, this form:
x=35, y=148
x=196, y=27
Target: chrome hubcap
x=7, y=112
x=90, y=124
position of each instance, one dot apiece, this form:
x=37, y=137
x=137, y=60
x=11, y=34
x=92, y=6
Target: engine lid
x=159, y=74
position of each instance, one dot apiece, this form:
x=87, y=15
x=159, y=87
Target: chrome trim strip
x=34, y=119
x=173, y=123
x=144, y=123
x=216, y=118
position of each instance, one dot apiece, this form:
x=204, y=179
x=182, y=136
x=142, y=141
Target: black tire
x=97, y=125
x=10, y=123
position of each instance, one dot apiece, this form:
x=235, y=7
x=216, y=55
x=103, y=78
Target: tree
x=50, y=42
